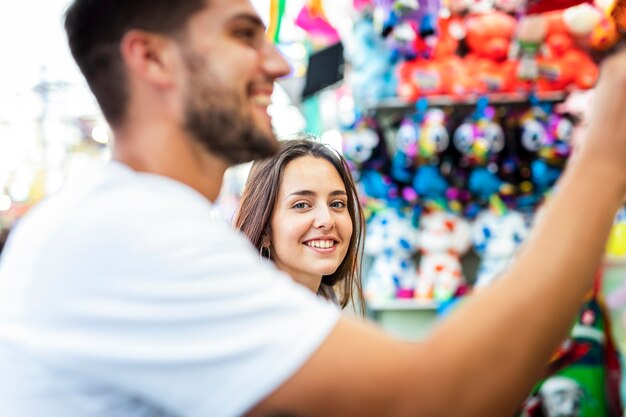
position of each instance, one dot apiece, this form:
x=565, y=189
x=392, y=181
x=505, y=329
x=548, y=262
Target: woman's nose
x=324, y=218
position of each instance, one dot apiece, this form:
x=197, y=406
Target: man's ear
x=149, y=56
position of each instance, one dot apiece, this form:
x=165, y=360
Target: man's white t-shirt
x=125, y=295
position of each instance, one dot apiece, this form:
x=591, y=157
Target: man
x=122, y=296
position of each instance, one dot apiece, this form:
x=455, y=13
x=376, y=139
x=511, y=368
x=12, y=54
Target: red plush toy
x=489, y=35
x=489, y=38
x=562, y=63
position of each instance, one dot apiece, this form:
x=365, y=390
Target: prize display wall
x=466, y=114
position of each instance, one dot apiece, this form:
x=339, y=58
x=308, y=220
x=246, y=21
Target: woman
x=300, y=209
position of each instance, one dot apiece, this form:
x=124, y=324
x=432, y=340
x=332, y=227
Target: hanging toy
x=391, y=242
x=364, y=148
x=497, y=233
x=428, y=182
x=372, y=77
x=404, y=161
x=480, y=141
x=583, y=378
x=549, y=137
x=443, y=238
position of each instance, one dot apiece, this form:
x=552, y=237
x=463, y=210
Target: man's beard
x=216, y=119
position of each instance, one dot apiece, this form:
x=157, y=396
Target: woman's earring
x=264, y=252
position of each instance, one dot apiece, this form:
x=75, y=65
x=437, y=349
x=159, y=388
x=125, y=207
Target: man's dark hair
x=94, y=31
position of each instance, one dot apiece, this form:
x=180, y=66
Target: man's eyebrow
x=249, y=18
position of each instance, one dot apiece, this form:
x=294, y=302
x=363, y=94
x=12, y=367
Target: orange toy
x=489, y=35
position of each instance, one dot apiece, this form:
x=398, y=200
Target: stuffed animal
x=497, y=233
x=404, y=160
x=548, y=135
x=443, y=238
x=364, y=147
x=480, y=140
x=583, y=378
x=372, y=77
x=428, y=182
x=391, y=241
x=605, y=34
x=562, y=63
x=407, y=22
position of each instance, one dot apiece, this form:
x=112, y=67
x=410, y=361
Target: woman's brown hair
x=256, y=208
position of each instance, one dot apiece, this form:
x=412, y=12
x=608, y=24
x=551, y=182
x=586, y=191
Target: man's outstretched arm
x=483, y=360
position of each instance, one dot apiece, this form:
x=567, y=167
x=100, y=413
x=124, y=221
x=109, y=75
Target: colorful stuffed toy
x=443, y=238
x=480, y=140
x=364, y=146
x=583, y=378
x=372, y=77
x=391, y=241
x=548, y=135
x=428, y=182
x=497, y=233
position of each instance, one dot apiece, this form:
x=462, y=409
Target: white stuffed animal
x=391, y=240
x=443, y=238
x=496, y=239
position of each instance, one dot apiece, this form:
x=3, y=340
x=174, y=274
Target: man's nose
x=274, y=64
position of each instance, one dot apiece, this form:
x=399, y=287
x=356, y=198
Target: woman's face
x=311, y=226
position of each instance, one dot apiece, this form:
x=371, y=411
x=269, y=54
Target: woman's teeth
x=322, y=244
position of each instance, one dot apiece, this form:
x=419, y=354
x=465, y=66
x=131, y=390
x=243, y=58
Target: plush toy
x=618, y=14
x=480, y=140
x=409, y=21
x=605, y=34
x=391, y=241
x=489, y=35
x=404, y=160
x=583, y=378
x=428, y=182
x=549, y=136
x=562, y=63
x=511, y=6
x=531, y=33
x=497, y=233
x=443, y=238
x=364, y=146
x=372, y=75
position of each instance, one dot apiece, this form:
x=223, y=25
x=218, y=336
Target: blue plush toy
x=372, y=77
x=428, y=182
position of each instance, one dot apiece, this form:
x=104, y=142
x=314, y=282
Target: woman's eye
x=338, y=204
x=301, y=205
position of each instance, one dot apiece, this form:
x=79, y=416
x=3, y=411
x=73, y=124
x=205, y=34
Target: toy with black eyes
x=403, y=163
x=433, y=141
x=546, y=137
x=497, y=234
x=480, y=141
x=365, y=150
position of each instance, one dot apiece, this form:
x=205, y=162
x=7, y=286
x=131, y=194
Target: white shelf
x=403, y=304
x=445, y=100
